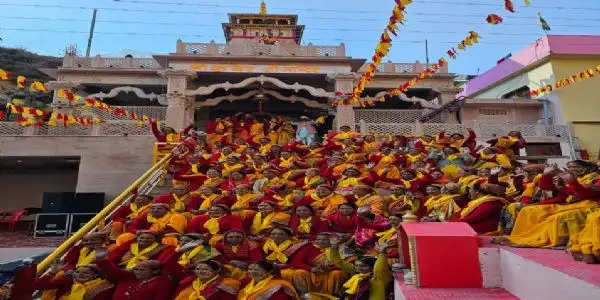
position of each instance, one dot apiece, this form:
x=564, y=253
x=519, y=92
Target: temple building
x=264, y=66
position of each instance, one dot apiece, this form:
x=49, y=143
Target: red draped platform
x=442, y=255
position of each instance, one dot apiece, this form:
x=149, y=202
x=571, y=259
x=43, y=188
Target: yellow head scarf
x=139, y=256
x=304, y=225
x=199, y=287
x=276, y=250
x=353, y=283
x=86, y=256
x=259, y=223
x=212, y=225
x=78, y=290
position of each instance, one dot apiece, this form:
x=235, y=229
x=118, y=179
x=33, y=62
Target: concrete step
x=403, y=291
x=519, y=273
x=532, y=273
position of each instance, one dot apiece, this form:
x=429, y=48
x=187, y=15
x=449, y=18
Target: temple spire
x=263, y=8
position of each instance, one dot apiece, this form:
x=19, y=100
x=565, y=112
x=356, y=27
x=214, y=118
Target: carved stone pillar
x=344, y=113
x=180, y=108
x=345, y=116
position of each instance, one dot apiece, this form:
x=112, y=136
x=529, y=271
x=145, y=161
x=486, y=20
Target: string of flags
x=470, y=40
x=566, y=82
x=95, y=103
x=28, y=116
x=31, y=116
x=22, y=82
x=381, y=50
x=495, y=19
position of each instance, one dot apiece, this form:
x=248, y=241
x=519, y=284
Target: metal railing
x=108, y=128
x=144, y=184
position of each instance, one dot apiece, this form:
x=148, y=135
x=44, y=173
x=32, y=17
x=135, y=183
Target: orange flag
x=509, y=6
x=21, y=80
x=4, y=75
x=494, y=19
x=38, y=86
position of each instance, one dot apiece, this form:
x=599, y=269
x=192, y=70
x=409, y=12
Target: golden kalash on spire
x=263, y=8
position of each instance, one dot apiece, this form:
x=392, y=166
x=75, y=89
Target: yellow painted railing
x=161, y=150
x=104, y=214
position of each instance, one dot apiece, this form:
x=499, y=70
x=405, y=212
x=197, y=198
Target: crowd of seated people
x=255, y=214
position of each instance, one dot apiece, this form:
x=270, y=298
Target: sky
x=153, y=26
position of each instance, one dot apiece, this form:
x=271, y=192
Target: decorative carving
x=125, y=89
x=317, y=92
x=292, y=99
x=55, y=85
x=431, y=104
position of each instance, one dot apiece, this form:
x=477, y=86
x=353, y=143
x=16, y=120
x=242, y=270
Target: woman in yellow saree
x=326, y=277
x=552, y=225
x=266, y=284
x=370, y=276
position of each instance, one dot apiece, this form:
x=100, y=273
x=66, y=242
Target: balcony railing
x=404, y=68
x=99, y=62
x=255, y=48
x=108, y=128
x=482, y=130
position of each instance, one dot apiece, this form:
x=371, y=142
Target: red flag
x=452, y=53
x=494, y=19
x=509, y=6
x=21, y=81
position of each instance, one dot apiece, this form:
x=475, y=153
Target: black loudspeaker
x=78, y=220
x=87, y=203
x=53, y=224
x=57, y=202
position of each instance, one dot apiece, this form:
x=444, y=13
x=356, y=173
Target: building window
x=282, y=22
x=522, y=92
x=543, y=149
x=244, y=21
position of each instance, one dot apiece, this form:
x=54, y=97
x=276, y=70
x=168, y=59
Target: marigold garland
x=381, y=50
x=27, y=115
x=470, y=40
x=566, y=82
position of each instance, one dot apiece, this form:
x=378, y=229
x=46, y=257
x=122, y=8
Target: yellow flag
x=21, y=80
x=3, y=75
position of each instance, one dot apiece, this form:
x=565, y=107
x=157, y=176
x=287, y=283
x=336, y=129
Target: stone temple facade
x=263, y=66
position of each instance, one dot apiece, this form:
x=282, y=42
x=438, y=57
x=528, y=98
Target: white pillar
x=180, y=109
x=345, y=113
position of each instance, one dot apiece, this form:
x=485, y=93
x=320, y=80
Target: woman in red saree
x=294, y=258
x=344, y=220
x=237, y=252
x=214, y=224
x=207, y=283
x=305, y=224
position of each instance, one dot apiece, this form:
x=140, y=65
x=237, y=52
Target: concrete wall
x=579, y=103
x=500, y=111
x=108, y=164
x=20, y=190
x=534, y=78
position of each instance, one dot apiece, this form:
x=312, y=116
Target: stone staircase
x=519, y=273
x=451, y=106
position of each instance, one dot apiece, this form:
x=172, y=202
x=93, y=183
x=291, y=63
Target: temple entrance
x=262, y=106
x=268, y=107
